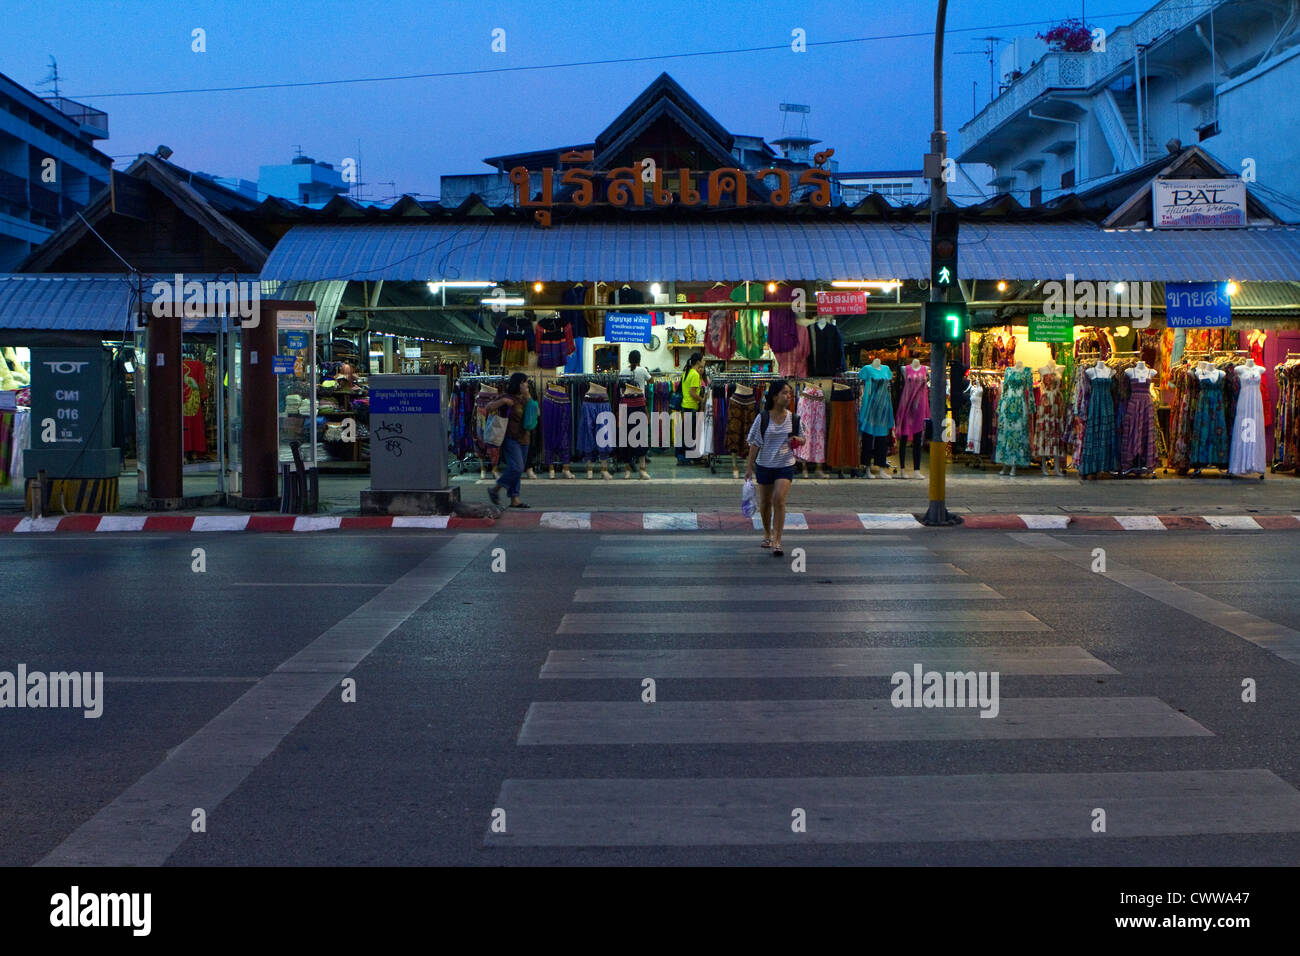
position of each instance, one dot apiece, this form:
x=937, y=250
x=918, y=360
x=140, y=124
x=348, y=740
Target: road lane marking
x=810, y=621
x=893, y=809
x=1277, y=639
x=792, y=662
x=145, y=824
x=790, y=593
x=847, y=720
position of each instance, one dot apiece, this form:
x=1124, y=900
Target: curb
x=627, y=521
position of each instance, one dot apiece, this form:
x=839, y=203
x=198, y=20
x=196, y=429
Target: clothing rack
x=483, y=378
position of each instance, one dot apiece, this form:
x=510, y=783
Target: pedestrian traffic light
x=946, y=322
x=943, y=248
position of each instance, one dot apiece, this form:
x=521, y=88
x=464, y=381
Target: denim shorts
x=764, y=475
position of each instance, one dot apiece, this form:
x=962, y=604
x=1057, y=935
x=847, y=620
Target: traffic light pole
x=938, y=513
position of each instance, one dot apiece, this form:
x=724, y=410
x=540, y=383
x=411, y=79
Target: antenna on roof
x=52, y=78
x=799, y=109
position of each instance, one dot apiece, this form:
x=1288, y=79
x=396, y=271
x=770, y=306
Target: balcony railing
x=1083, y=70
x=92, y=120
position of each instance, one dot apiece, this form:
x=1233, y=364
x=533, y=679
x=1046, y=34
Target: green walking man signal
x=943, y=247
x=946, y=322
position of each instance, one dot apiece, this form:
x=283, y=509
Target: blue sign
x=405, y=401
x=1197, y=305
x=296, y=340
x=627, y=327
x=282, y=364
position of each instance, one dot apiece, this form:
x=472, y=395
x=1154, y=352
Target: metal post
x=938, y=512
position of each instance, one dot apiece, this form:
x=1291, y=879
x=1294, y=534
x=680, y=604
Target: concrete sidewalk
x=694, y=489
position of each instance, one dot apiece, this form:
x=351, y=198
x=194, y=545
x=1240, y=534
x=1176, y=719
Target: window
x=1067, y=179
x=1036, y=196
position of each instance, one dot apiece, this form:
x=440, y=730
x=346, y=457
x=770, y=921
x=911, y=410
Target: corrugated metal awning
x=799, y=250
x=80, y=303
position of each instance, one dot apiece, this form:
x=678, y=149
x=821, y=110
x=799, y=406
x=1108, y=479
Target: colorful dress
x=1100, y=452
x=812, y=425
x=1209, y=440
x=1013, y=418
x=750, y=333
x=876, y=415
x=912, y=406
x=1050, y=420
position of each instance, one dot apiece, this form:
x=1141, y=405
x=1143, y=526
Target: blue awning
x=799, y=250
x=76, y=303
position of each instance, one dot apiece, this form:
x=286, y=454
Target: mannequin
x=1209, y=445
x=811, y=409
x=909, y=423
x=1137, y=449
x=1050, y=420
x=1248, y=449
x=557, y=427
x=1100, y=451
x=1013, y=419
x=876, y=418
x=588, y=446
x=636, y=420
x=745, y=393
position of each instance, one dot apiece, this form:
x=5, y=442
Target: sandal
x=776, y=551
x=767, y=543
x=520, y=505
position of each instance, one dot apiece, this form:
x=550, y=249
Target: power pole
x=938, y=513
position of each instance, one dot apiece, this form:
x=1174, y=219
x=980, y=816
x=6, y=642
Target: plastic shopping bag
x=748, y=499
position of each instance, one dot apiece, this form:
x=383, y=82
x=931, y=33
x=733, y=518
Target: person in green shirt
x=692, y=401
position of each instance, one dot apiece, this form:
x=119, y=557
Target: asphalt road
x=518, y=697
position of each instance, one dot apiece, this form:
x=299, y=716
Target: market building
x=585, y=235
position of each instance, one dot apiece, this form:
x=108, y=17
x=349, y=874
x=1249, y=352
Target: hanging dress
x=1099, y=446
x=1013, y=418
x=1050, y=420
x=1209, y=444
x=876, y=415
x=1248, y=454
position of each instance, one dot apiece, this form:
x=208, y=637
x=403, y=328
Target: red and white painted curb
x=613, y=521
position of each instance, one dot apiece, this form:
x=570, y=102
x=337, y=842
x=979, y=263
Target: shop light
x=771, y=287
x=654, y=288
x=1119, y=288
x=505, y=300
x=1231, y=288
x=436, y=287
x=886, y=284
x=537, y=287
x=1002, y=285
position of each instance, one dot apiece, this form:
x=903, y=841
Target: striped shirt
x=774, y=448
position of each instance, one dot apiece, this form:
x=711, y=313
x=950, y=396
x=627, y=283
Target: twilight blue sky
x=870, y=100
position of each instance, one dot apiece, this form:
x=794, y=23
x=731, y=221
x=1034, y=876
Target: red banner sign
x=841, y=303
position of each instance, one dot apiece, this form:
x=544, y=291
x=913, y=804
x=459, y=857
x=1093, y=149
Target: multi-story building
x=49, y=166
x=302, y=180
x=1221, y=74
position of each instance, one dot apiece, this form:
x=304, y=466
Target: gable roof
x=1191, y=162
x=665, y=97
x=199, y=199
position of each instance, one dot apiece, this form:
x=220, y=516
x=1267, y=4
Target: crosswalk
x=870, y=609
